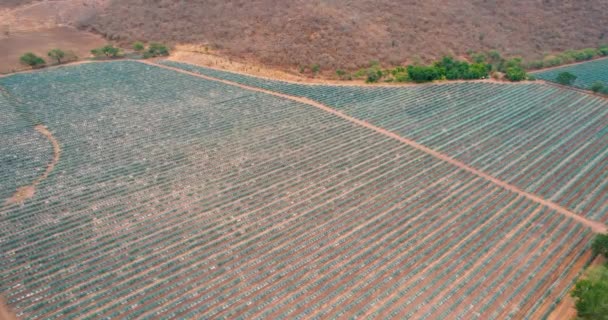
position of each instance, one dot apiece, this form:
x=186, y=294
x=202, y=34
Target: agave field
x=587, y=73
x=180, y=197
x=549, y=141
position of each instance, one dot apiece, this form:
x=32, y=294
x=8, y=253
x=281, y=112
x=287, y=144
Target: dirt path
x=5, y=312
x=24, y=193
x=594, y=225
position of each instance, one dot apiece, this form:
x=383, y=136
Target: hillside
x=350, y=33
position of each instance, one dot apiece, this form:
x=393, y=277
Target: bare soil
x=41, y=41
x=5, y=312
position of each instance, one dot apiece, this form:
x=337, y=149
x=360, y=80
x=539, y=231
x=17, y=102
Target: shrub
x=138, y=46
x=598, y=87
x=32, y=60
x=565, y=78
x=157, y=50
x=401, y=77
x=373, y=75
x=603, y=50
x=516, y=73
x=108, y=51
x=56, y=54
x=423, y=73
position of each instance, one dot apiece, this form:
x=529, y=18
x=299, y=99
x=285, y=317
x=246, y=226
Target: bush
x=56, y=54
x=32, y=60
x=158, y=50
x=401, y=77
x=598, y=87
x=565, y=78
x=603, y=50
x=108, y=51
x=591, y=295
x=516, y=73
x=373, y=75
x=138, y=46
x=421, y=74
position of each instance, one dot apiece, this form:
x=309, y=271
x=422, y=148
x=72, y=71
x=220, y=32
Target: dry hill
x=350, y=33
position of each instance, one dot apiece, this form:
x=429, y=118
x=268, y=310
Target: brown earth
x=41, y=41
x=5, y=312
x=349, y=33
x=39, y=26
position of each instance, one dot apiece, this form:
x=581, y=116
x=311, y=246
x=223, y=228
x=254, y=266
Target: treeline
x=591, y=292
x=479, y=66
x=108, y=51
x=483, y=66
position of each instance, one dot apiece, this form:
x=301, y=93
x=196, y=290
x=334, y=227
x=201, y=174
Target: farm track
x=27, y=192
x=596, y=226
x=24, y=193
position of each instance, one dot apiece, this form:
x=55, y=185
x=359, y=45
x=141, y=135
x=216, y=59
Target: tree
x=565, y=78
x=423, y=73
x=109, y=51
x=56, y=54
x=600, y=245
x=138, y=46
x=32, y=60
x=591, y=295
x=516, y=73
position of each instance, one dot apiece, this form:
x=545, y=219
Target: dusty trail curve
x=596, y=226
x=27, y=192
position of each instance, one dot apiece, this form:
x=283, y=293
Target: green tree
x=138, y=46
x=108, y=51
x=565, y=78
x=600, y=245
x=56, y=54
x=591, y=295
x=421, y=74
x=32, y=60
x=516, y=73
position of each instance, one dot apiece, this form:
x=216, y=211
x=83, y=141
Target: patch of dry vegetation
x=348, y=34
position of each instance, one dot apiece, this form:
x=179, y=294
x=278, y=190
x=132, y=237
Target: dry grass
x=348, y=34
